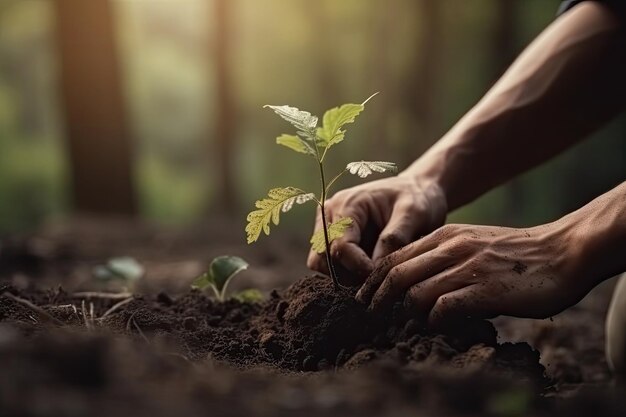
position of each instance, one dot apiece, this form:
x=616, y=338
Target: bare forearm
x=598, y=236
x=566, y=84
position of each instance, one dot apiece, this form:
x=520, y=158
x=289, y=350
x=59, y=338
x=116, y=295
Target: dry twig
x=44, y=315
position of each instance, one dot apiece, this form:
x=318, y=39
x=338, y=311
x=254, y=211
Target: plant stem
x=331, y=268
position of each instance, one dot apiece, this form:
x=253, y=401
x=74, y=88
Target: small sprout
x=220, y=272
x=124, y=268
x=313, y=140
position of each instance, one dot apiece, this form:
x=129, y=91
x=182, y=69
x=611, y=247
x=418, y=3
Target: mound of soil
x=309, y=326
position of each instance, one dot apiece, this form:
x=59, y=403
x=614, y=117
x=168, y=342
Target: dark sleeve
x=618, y=5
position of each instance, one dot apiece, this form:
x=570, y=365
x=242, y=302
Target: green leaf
x=335, y=231
x=295, y=143
x=365, y=168
x=124, y=268
x=269, y=209
x=304, y=121
x=250, y=295
x=334, y=119
x=220, y=272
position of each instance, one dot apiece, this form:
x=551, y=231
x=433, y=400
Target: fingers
x=398, y=232
x=408, y=221
x=346, y=250
x=422, y=297
x=410, y=274
x=352, y=257
x=471, y=301
x=415, y=249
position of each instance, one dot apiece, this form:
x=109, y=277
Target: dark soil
x=307, y=350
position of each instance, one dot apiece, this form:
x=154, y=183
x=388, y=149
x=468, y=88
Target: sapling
x=124, y=269
x=221, y=271
x=315, y=142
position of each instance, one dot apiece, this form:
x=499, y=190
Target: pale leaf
x=268, y=209
x=366, y=168
x=304, y=121
x=299, y=199
x=335, y=231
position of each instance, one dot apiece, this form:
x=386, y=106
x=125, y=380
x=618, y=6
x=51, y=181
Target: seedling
x=124, y=269
x=221, y=271
x=315, y=142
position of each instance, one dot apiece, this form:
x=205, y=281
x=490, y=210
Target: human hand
x=391, y=212
x=481, y=271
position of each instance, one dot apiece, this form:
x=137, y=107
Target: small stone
x=403, y=347
x=323, y=365
x=164, y=298
x=411, y=327
x=190, y=323
x=309, y=363
x=281, y=308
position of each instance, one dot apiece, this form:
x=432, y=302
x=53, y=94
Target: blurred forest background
x=154, y=107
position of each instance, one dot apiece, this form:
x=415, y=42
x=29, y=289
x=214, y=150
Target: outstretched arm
x=565, y=85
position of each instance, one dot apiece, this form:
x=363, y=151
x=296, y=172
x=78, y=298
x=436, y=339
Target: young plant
x=221, y=270
x=124, y=269
x=314, y=142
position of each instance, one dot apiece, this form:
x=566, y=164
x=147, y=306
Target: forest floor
x=165, y=350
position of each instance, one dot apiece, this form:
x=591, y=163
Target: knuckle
x=392, y=240
x=393, y=277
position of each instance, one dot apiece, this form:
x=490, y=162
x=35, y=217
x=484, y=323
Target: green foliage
x=314, y=141
x=334, y=119
x=278, y=199
x=221, y=270
x=335, y=231
x=296, y=143
x=124, y=268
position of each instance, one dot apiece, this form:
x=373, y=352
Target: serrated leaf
x=124, y=268
x=270, y=207
x=301, y=120
x=365, y=168
x=295, y=143
x=220, y=272
x=250, y=295
x=330, y=132
x=335, y=231
x=299, y=199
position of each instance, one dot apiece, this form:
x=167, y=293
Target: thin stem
x=331, y=268
x=333, y=180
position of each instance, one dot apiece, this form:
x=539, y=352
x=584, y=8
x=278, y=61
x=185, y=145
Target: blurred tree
x=97, y=133
x=504, y=50
x=421, y=91
x=225, y=104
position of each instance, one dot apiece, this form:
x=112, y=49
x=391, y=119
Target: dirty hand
x=390, y=213
x=481, y=271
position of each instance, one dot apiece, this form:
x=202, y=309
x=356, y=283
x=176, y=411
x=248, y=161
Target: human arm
x=566, y=84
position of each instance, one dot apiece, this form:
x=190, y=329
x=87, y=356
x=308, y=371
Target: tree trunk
x=225, y=105
x=422, y=88
x=99, y=145
x=504, y=50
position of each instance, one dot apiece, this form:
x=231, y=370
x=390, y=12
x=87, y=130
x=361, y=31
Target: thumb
x=399, y=232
